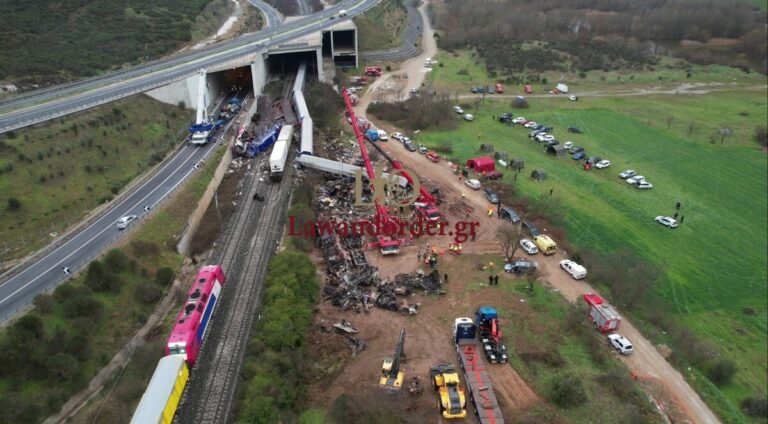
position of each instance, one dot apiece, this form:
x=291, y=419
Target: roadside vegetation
x=54, y=174
x=704, y=305
x=275, y=357
x=594, y=34
x=380, y=27
x=51, y=42
x=53, y=351
x=422, y=112
x=290, y=8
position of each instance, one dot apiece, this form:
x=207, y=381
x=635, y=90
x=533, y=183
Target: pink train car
x=188, y=332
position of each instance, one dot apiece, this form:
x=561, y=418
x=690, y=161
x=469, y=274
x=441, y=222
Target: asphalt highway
x=59, y=101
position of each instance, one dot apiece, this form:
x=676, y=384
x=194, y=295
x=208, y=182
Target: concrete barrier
x=194, y=220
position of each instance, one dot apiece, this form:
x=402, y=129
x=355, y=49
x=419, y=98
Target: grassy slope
x=380, y=28
x=120, y=323
x=124, y=149
x=709, y=278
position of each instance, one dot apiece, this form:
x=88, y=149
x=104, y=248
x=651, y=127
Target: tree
x=531, y=279
x=164, y=276
x=116, y=260
x=722, y=371
x=83, y=306
x=13, y=204
x=96, y=275
x=43, y=303
x=147, y=293
x=509, y=237
x=62, y=366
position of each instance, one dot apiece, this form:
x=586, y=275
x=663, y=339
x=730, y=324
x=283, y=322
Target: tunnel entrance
x=282, y=65
x=228, y=81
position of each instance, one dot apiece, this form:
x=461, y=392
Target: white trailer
x=280, y=153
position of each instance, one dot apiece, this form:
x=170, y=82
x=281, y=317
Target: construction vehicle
x=490, y=335
x=477, y=379
x=374, y=71
x=445, y=380
x=202, y=130
x=391, y=374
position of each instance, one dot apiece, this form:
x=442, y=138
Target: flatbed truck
x=476, y=377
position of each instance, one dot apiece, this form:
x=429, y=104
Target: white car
x=518, y=120
x=458, y=109
x=397, y=136
x=530, y=124
x=636, y=179
x=644, y=185
x=627, y=174
x=667, y=221
x=576, y=271
x=406, y=140
x=469, y=117
x=125, y=221
x=568, y=145
x=572, y=98
x=529, y=247
x=383, y=135
x=473, y=184
x=620, y=343
x=603, y=164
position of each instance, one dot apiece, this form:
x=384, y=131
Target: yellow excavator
x=445, y=380
x=391, y=375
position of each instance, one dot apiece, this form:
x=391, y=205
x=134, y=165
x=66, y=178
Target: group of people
x=493, y=280
x=454, y=248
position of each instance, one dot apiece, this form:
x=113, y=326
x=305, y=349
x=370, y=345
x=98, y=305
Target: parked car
x=667, y=221
x=410, y=147
x=383, y=135
x=574, y=130
x=552, y=142
x=473, y=184
x=422, y=149
x=627, y=174
x=521, y=267
x=432, y=156
x=644, y=185
x=592, y=160
x=620, y=343
x=546, y=129
x=125, y=221
x=568, y=145
x=577, y=149
x=532, y=230
x=603, y=164
x=397, y=136
x=406, y=140
x=530, y=124
x=468, y=117
x=519, y=120
x=529, y=247
x=493, y=175
x=573, y=98
x=491, y=195
x=458, y=109
x=636, y=179
x=579, y=155
x=576, y=271
x=509, y=214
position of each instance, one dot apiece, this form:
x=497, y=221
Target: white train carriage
x=280, y=153
x=307, y=142
x=159, y=403
x=298, y=85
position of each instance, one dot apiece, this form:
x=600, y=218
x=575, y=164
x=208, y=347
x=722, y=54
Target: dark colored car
x=593, y=160
x=547, y=129
x=552, y=143
x=521, y=267
x=509, y=214
x=532, y=230
x=539, y=127
x=491, y=195
x=579, y=155
x=577, y=149
x=574, y=130
x=411, y=148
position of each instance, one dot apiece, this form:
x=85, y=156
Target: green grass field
x=62, y=170
x=716, y=262
x=381, y=27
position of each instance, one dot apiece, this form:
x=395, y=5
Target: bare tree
x=531, y=279
x=509, y=237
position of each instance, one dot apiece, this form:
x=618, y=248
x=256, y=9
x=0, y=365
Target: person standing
x=490, y=280
x=445, y=278
x=496, y=280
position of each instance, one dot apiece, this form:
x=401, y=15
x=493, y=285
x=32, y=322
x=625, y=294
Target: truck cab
x=546, y=245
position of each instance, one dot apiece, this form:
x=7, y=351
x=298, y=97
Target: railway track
x=245, y=253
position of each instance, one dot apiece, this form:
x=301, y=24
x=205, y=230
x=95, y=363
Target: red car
x=434, y=157
x=493, y=175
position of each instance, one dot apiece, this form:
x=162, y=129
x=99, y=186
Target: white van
x=575, y=270
x=342, y=13
x=468, y=117
x=383, y=135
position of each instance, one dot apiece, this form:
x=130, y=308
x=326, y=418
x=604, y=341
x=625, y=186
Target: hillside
x=54, y=41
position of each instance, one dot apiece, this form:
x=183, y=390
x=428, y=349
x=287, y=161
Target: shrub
x=116, y=260
x=13, y=204
x=44, y=303
x=755, y=406
x=95, y=276
x=83, y=307
x=761, y=136
x=164, y=276
x=722, y=371
x=147, y=293
x=568, y=391
x=144, y=248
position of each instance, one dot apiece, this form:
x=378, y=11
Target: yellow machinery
x=445, y=380
x=391, y=375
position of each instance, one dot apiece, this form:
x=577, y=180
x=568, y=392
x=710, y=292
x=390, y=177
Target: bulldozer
x=391, y=375
x=445, y=380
